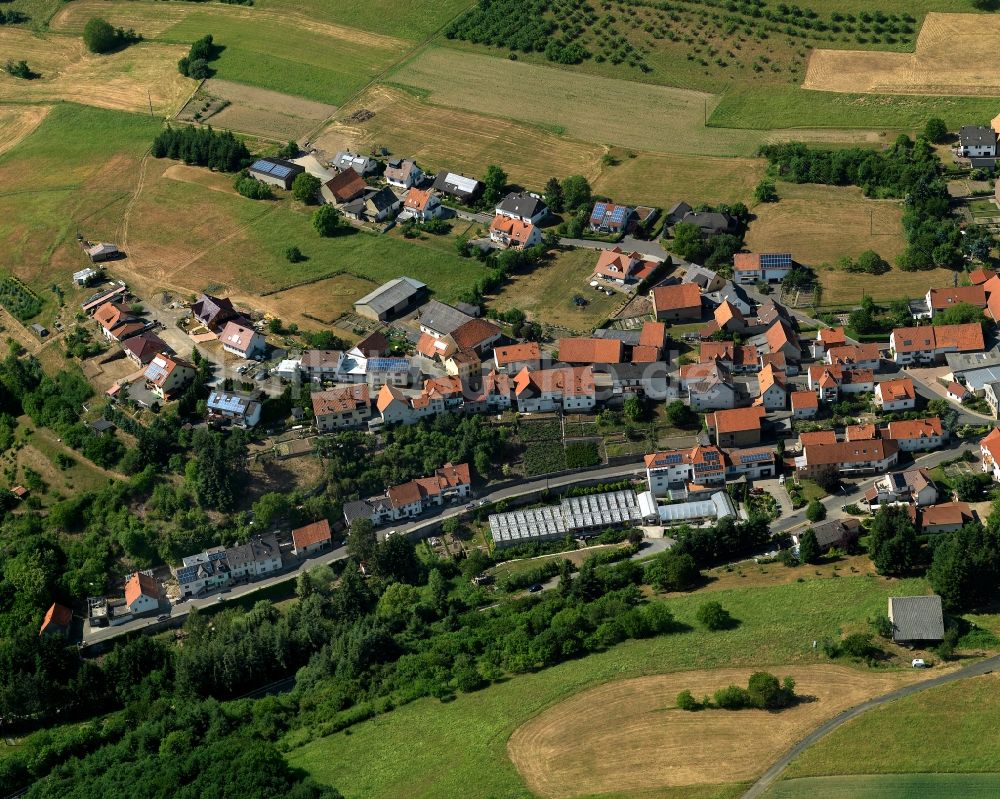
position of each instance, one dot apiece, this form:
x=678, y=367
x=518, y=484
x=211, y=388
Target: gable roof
x=238, y=336
x=441, y=318
x=141, y=585
x=817, y=436
x=373, y=344
x=679, y=296
x=861, y=432
x=910, y=429
x=390, y=294
x=518, y=231
x=848, y=452
x=382, y=199
x=963, y=338
x=980, y=275
x=346, y=186
x=653, y=334
x=417, y=199
x=56, y=616
x=992, y=443
x=474, y=334
x=456, y=184
x=162, y=366
x=515, y=353
x=916, y=618
x=853, y=353
x=736, y=420
x=590, y=350
x=521, y=204
x=340, y=400
x=803, y=400
x=943, y=298
x=145, y=346
x=832, y=336
x=401, y=169
x=388, y=395
x=208, y=309
x=946, y=513
x=315, y=533
x=836, y=531
x=565, y=380
x=899, y=389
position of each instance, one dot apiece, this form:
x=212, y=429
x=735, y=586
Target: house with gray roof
x=391, y=299
x=362, y=164
x=438, y=319
x=977, y=141
x=463, y=189
x=240, y=409
x=916, y=620
x=523, y=206
x=257, y=557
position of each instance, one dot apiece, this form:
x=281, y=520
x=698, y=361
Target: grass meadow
x=777, y=107
x=414, y=20
x=890, y=786
x=286, y=57
x=74, y=172
x=960, y=717
x=460, y=748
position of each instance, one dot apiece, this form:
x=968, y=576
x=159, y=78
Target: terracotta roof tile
x=590, y=350
x=680, y=296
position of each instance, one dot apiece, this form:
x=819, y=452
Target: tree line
x=202, y=147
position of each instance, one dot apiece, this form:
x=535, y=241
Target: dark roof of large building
x=442, y=318
x=521, y=204
x=456, y=185
x=916, y=618
x=977, y=136
x=383, y=199
x=836, y=532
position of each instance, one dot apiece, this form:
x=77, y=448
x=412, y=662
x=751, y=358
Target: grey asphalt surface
x=180, y=611
x=760, y=787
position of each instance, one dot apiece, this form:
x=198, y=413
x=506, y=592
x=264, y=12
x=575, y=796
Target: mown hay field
x=260, y=112
x=18, y=121
x=954, y=56
x=566, y=750
x=290, y=53
x=129, y=80
x=602, y=110
x=845, y=289
x=819, y=224
x=457, y=140
x=462, y=747
x=962, y=715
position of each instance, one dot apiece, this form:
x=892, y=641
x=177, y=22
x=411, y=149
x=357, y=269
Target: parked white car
x=918, y=663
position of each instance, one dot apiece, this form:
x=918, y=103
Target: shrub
x=731, y=698
x=815, y=511
x=20, y=69
x=100, y=36
x=294, y=255
x=305, y=188
x=327, y=221
x=765, y=192
x=713, y=616
x=686, y=701
x=250, y=187
x=936, y=130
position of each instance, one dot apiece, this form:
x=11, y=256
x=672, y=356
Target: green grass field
x=462, y=749
x=777, y=107
x=961, y=718
x=74, y=172
x=414, y=20
x=891, y=786
x=286, y=58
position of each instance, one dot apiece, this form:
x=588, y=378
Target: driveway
x=651, y=249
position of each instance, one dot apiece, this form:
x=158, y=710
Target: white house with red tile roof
x=895, y=395
x=241, y=340
x=514, y=357
x=754, y=267
x=566, y=388
x=924, y=345
x=827, y=337
x=805, y=404
x=941, y=299
x=773, y=391
x=855, y=356
x=421, y=205
x=167, y=375
x=621, y=267
x=584, y=351
x=312, y=538
x=339, y=408
x=514, y=233
x=142, y=593
x=989, y=453
x=916, y=434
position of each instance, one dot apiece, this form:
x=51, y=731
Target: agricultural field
x=457, y=140
x=415, y=20
x=931, y=69
x=777, y=626
x=890, y=786
x=129, y=80
x=962, y=714
x=16, y=122
x=289, y=53
x=80, y=164
x=320, y=302
x=260, y=112
x=819, y=224
x=546, y=293
x=656, y=744
x=634, y=115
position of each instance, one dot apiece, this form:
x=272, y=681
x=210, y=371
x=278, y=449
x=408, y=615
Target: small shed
x=276, y=171
x=103, y=252
x=40, y=330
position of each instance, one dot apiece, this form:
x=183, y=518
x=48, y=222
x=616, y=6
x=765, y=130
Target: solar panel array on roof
x=266, y=167
x=776, y=259
x=599, y=210
x=618, y=215
x=755, y=457
x=156, y=370
x=388, y=364
x=228, y=403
